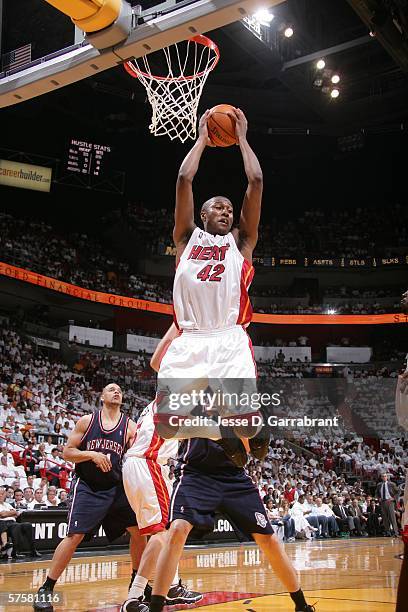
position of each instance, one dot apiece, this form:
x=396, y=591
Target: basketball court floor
x=358, y=575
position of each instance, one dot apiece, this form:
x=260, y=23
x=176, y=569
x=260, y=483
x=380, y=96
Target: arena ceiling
x=294, y=127
x=273, y=81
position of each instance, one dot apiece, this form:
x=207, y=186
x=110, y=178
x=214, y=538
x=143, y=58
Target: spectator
x=19, y=502
x=387, y=492
x=303, y=528
x=38, y=502
x=30, y=458
x=17, y=436
x=28, y=495
x=344, y=521
x=359, y=519
x=288, y=522
x=21, y=533
x=374, y=519
x=323, y=509
x=63, y=499
x=52, y=499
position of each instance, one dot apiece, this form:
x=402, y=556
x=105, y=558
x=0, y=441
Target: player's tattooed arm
x=247, y=233
x=184, y=214
x=72, y=452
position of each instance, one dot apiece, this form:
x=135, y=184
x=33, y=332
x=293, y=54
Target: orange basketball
x=221, y=127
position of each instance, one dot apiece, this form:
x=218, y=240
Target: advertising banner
x=50, y=527
x=88, y=335
x=47, y=282
x=25, y=176
x=141, y=343
x=349, y=354
x=269, y=353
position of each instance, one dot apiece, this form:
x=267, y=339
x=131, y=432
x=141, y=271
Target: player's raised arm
x=251, y=207
x=72, y=452
x=184, y=214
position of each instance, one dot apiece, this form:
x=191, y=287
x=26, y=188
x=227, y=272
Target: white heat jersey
x=211, y=284
x=147, y=444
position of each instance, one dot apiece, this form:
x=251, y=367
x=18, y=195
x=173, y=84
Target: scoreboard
x=87, y=157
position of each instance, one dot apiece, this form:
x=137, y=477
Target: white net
x=175, y=96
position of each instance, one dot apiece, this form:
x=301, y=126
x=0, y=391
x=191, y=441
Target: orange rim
x=199, y=39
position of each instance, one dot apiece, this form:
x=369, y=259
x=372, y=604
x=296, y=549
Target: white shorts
x=148, y=490
x=222, y=353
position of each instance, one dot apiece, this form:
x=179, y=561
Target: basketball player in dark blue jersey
x=96, y=446
x=209, y=480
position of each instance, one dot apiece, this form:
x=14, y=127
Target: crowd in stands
x=333, y=307
x=336, y=232
x=82, y=260
x=332, y=232
x=330, y=471
x=332, y=489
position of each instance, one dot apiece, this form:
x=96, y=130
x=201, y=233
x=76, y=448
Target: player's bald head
x=206, y=206
x=112, y=395
x=112, y=387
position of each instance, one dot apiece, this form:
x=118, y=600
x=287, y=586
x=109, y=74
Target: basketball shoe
x=134, y=605
x=178, y=591
x=44, y=599
x=180, y=594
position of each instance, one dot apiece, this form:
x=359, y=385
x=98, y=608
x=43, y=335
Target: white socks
x=176, y=578
x=137, y=588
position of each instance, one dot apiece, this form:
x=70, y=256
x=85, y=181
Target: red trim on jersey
x=109, y=431
x=162, y=497
x=174, y=317
x=89, y=426
x=156, y=442
x=152, y=529
x=245, y=308
x=251, y=348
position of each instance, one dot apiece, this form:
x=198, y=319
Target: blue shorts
x=90, y=509
x=197, y=496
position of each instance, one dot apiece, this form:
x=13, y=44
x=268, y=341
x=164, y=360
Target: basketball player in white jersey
x=213, y=274
x=148, y=489
x=211, y=309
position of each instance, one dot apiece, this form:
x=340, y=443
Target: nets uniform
x=207, y=481
x=211, y=310
x=98, y=498
x=145, y=474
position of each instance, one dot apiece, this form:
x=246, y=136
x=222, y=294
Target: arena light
x=331, y=311
x=335, y=79
x=335, y=93
x=288, y=33
x=320, y=64
x=264, y=17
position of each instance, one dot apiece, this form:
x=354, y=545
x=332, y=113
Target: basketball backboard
x=170, y=22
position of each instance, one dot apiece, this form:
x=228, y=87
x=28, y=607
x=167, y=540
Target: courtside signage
x=25, y=176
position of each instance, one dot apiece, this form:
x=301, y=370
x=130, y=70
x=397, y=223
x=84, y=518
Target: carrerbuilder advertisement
x=25, y=176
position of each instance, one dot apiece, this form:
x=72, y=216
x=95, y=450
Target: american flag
x=16, y=58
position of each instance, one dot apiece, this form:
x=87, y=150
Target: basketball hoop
x=175, y=97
